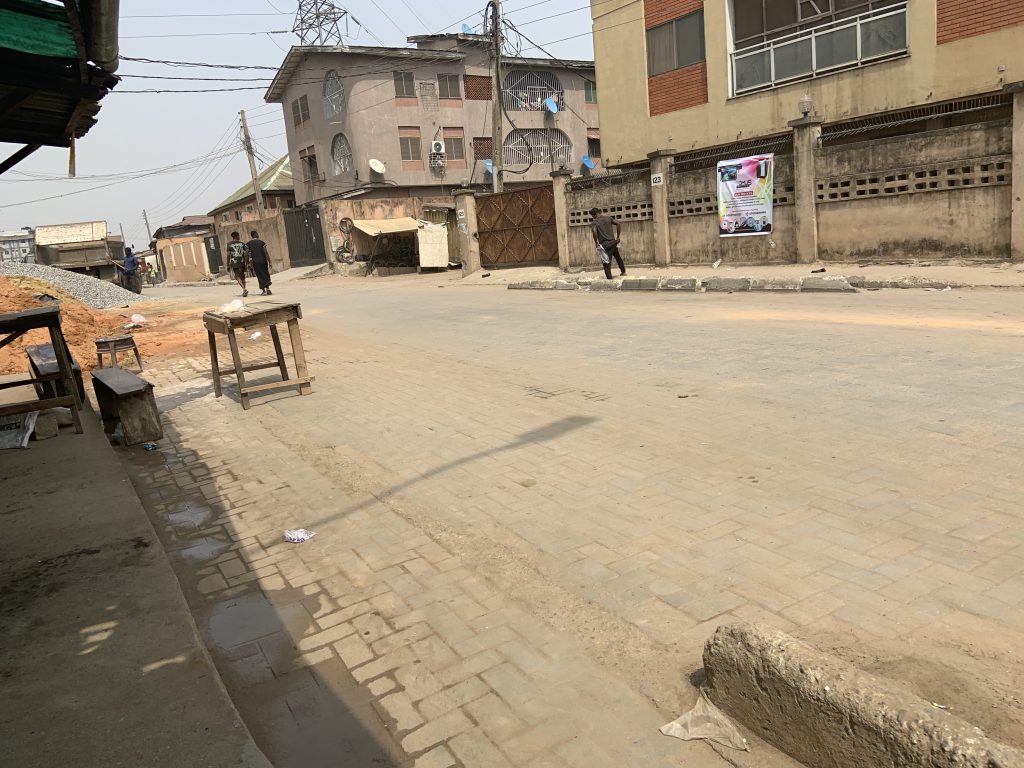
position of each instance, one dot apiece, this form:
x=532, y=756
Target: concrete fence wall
x=628, y=199
x=936, y=195
x=939, y=194
x=693, y=221
x=271, y=231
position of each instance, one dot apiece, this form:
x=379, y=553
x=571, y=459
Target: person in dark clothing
x=131, y=272
x=237, y=257
x=259, y=257
x=606, y=230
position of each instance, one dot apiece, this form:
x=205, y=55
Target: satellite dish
x=551, y=105
x=377, y=166
x=467, y=30
x=588, y=162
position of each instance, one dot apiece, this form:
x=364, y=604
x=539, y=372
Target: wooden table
x=14, y=325
x=259, y=314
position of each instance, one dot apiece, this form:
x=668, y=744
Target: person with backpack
x=238, y=255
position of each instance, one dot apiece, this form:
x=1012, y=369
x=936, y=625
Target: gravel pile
x=95, y=293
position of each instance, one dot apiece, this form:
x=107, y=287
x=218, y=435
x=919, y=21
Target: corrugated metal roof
x=273, y=178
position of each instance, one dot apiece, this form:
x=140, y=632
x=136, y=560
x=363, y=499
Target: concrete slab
x=100, y=660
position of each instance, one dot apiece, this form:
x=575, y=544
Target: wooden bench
x=13, y=325
x=125, y=397
x=42, y=362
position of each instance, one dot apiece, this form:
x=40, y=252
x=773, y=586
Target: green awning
x=37, y=28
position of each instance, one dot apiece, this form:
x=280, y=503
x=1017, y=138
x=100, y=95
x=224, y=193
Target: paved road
x=532, y=508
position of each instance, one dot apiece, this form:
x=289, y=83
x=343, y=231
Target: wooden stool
x=124, y=397
x=111, y=345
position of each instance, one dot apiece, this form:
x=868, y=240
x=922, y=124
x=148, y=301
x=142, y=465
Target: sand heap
x=82, y=325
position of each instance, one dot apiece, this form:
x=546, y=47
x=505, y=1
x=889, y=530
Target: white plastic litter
x=232, y=306
x=705, y=721
x=136, y=318
x=256, y=335
x=717, y=264
x=298, y=535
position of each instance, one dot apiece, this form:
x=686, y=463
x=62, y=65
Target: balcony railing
x=845, y=44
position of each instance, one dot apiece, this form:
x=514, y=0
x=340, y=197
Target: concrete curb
x=714, y=284
x=824, y=712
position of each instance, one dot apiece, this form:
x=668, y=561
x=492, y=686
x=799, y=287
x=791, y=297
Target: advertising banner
x=745, y=190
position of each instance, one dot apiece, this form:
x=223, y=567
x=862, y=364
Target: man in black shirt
x=260, y=259
x=606, y=230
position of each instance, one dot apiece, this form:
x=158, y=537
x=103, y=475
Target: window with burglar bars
x=538, y=145
x=300, y=110
x=449, y=86
x=525, y=90
x=341, y=154
x=405, y=87
x=758, y=21
x=813, y=38
x=334, y=94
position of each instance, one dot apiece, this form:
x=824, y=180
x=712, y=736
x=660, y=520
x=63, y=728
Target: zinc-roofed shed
x=56, y=64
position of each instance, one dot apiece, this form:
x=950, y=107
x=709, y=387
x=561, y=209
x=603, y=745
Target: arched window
x=525, y=90
x=334, y=94
x=537, y=144
x=341, y=154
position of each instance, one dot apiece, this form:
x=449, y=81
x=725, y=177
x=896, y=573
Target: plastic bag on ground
x=298, y=535
x=705, y=721
x=138, y=318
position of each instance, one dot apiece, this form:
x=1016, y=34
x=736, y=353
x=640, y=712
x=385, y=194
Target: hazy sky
x=141, y=132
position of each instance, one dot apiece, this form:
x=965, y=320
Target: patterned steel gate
x=305, y=236
x=517, y=227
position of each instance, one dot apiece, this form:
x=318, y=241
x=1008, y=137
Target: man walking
x=260, y=258
x=131, y=267
x=237, y=257
x=606, y=230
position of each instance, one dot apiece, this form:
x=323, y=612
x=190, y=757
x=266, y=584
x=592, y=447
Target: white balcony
x=847, y=44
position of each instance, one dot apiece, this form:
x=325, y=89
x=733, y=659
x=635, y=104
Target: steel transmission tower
x=320, y=22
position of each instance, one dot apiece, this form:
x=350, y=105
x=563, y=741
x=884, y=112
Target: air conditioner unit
x=437, y=147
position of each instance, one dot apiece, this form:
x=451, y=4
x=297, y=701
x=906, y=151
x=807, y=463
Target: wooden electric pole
x=252, y=166
x=497, y=129
x=145, y=218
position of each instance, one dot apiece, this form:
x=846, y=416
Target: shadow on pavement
x=303, y=707
x=544, y=434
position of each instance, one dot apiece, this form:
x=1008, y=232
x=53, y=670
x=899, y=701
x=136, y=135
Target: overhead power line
x=173, y=63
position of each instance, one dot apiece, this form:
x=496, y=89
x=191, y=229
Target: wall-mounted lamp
x=806, y=105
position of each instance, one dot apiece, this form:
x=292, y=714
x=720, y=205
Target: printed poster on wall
x=745, y=190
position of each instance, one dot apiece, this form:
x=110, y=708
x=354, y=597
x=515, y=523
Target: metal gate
x=517, y=227
x=305, y=237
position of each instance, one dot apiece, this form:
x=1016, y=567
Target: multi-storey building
x=18, y=245
x=414, y=122
x=911, y=110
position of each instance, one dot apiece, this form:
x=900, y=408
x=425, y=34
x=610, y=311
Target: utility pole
x=252, y=166
x=497, y=129
x=145, y=218
x=121, y=227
